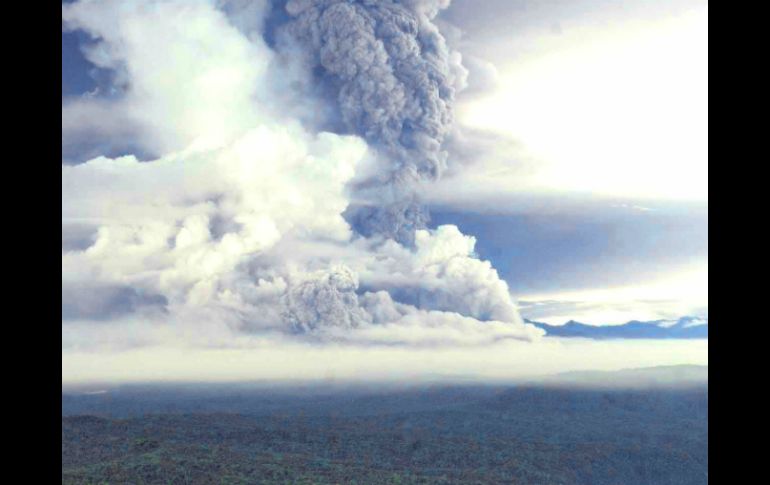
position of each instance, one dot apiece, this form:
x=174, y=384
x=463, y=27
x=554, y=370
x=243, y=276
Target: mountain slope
x=684, y=328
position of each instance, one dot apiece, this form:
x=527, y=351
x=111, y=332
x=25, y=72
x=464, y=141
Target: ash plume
x=395, y=79
x=327, y=299
x=241, y=229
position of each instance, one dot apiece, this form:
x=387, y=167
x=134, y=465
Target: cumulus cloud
x=237, y=229
x=199, y=89
x=180, y=224
x=185, y=74
x=442, y=273
x=398, y=323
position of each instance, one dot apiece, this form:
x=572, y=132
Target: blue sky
x=538, y=253
x=576, y=165
x=76, y=71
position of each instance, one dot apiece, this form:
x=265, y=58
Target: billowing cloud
x=187, y=76
x=395, y=81
x=442, y=274
x=182, y=225
x=237, y=229
x=325, y=300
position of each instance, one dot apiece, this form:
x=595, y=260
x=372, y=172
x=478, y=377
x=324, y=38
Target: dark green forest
x=527, y=434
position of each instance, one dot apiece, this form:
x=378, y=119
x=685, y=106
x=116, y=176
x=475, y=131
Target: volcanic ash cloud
x=395, y=81
x=239, y=229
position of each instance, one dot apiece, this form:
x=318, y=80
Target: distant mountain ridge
x=684, y=328
x=660, y=377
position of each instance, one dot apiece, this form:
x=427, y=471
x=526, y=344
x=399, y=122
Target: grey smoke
x=326, y=300
x=395, y=80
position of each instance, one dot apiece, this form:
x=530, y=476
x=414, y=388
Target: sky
x=604, y=189
x=250, y=189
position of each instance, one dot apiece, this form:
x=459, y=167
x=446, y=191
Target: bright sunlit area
x=619, y=109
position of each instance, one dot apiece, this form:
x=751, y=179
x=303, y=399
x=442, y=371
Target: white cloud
x=444, y=274
x=189, y=76
x=618, y=110
x=238, y=225
x=156, y=217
